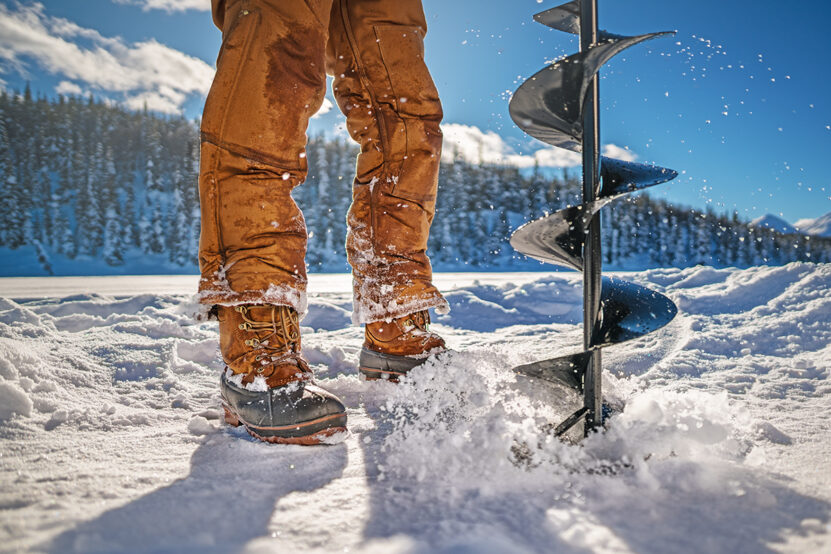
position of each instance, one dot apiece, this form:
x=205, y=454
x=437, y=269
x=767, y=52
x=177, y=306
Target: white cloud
x=137, y=72
x=153, y=101
x=169, y=5
x=68, y=87
x=618, y=153
x=325, y=108
x=473, y=145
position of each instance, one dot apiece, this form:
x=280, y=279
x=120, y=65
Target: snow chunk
x=13, y=401
x=335, y=438
x=7, y=370
x=767, y=431
x=58, y=417
x=200, y=426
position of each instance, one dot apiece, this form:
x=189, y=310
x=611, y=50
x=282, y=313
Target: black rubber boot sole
x=376, y=365
x=298, y=413
x=305, y=433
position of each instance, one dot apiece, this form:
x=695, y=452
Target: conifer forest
x=81, y=179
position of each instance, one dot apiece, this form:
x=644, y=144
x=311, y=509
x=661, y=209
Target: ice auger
x=559, y=105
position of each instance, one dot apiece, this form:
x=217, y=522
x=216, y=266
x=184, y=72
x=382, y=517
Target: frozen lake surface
x=120, y=285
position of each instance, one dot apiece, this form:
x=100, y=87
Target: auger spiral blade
x=618, y=177
x=566, y=18
x=565, y=370
x=627, y=311
x=556, y=239
x=549, y=105
x=559, y=238
x=553, y=106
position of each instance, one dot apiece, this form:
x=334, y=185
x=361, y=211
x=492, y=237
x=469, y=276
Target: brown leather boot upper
x=264, y=340
x=405, y=336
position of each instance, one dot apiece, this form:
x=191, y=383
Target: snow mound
x=111, y=436
x=13, y=401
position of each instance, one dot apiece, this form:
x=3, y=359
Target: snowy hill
x=770, y=221
x=111, y=439
x=820, y=226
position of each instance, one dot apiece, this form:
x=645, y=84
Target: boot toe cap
x=316, y=402
x=299, y=409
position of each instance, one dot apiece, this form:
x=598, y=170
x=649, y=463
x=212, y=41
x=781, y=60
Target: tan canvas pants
x=270, y=79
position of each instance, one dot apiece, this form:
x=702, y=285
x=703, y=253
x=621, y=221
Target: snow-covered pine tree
x=113, y=248
x=53, y=158
x=13, y=203
x=43, y=185
x=625, y=222
x=130, y=221
x=6, y=206
x=494, y=223
x=178, y=229
x=191, y=201
x=321, y=204
x=343, y=197
x=151, y=230
x=306, y=197
x=443, y=240
x=43, y=257
x=90, y=209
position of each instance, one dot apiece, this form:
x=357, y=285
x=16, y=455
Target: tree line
x=80, y=177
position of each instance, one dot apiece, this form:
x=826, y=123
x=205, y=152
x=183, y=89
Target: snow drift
x=110, y=437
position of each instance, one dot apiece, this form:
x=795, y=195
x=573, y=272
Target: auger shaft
x=592, y=397
x=559, y=105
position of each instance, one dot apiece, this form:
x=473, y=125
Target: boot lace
x=418, y=320
x=276, y=340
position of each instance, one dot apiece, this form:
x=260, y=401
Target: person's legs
x=382, y=85
x=270, y=80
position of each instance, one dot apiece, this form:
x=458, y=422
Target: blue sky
x=738, y=102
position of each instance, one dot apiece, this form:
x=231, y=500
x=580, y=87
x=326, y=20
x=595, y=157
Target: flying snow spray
x=560, y=105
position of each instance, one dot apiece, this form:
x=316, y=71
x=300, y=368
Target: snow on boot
x=393, y=347
x=284, y=406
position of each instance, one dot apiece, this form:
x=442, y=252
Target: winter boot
x=283, y=407
x=393, y=347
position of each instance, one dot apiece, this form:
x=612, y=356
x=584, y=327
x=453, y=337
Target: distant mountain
x=820, y=226
x=770, y=221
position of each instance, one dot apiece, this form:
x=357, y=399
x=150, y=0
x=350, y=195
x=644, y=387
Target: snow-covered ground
x=110, y=437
